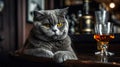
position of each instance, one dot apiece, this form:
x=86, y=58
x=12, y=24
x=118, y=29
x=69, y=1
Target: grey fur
x=52, y=41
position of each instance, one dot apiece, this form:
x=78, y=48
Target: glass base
x=106, y=53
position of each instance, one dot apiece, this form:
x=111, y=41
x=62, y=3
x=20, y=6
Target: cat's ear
x=38, y=15
x=64, y=11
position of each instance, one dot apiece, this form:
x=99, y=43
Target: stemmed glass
x=103, y=32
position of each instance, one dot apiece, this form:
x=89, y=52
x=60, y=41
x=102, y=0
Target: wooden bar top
x=84, y=46
x=85, y=60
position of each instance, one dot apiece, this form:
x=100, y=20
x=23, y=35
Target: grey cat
x=49, y=36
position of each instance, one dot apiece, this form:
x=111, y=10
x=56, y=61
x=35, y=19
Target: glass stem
x=104, y=50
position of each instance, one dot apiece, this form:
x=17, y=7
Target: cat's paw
x=62, y=56
x=39, y=52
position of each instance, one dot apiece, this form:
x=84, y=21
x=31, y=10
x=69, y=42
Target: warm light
x=112, y=5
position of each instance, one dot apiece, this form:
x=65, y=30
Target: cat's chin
x=58, y=37
x=55, y=37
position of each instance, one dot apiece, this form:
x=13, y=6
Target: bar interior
x=60, y=33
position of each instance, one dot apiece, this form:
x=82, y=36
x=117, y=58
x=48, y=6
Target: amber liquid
x=103, y=38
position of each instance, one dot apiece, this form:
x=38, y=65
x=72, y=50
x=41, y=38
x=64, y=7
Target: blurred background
x=16, y=18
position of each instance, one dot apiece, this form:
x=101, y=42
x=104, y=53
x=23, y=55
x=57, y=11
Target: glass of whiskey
x=103, y=33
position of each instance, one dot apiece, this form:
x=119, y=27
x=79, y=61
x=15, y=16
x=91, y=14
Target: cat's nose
x=54, y=30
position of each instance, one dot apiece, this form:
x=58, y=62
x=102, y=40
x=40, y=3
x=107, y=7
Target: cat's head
x=52, y=23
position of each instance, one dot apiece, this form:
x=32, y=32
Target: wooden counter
x=84, y=47
x=85, y=60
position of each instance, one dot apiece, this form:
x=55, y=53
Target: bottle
x=86, y=7
x=71, y=25
x=87, y=24
x=79, y=19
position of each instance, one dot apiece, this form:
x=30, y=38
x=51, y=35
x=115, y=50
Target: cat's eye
x=46, y=25
x=59, y=24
